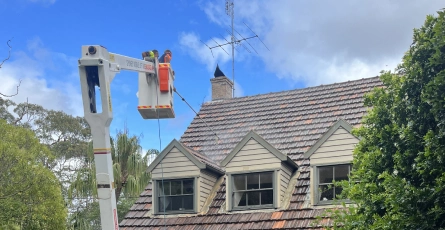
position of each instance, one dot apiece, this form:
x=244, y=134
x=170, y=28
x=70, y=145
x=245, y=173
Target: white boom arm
x=134, y=64
x=97, y=68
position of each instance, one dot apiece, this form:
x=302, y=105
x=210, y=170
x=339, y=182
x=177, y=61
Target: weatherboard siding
x=175, y=165
x=207, y=181
x=285, y=175
x=252, y=157
x=337, y=148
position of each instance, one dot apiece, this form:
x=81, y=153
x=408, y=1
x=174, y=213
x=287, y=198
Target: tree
x=30, y=194
x=64, y=135
x=130, y=176
x=129, y=166
x=89, y=218
x=1, y=64
x=400, y=159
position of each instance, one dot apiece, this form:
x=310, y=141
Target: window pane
x=266, y=180
x=253, y=198
x=176, y=187
x=167, y=204
x=341, y=172
x=338, y=191
x=256, y=190
x=164, y=190
x=187, y=186
x=253, y=181
x=188, y=202
x=325, y=174
x=239, y=199
x=267, y=197
x=174, y=200
x=239, y=182
x=176, y=203
x=326, y=193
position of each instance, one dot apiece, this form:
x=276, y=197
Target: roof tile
x=278, y=224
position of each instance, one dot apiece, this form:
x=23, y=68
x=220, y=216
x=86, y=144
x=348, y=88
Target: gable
x=253, y=153
x=175, y=161
x=174, y=165
x=253, y=156
x=335, y=146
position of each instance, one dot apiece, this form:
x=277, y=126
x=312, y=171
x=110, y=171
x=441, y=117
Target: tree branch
x=1, y=64
x=9, y=53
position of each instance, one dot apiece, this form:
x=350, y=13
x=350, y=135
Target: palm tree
x=129, y=165
x=129, y=169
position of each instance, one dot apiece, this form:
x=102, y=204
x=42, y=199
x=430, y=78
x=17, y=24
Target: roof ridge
x=290, y=90
x=202, y=157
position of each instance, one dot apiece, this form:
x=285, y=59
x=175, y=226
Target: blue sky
x=310, y=43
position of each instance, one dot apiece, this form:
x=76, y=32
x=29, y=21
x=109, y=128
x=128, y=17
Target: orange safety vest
x=167, y=58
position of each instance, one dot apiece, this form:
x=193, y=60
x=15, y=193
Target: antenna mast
x=231, y=13
x=234, y=40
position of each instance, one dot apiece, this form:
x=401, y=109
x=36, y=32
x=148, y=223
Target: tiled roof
x=204, y=159
x=291, y=121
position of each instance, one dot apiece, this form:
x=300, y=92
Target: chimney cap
x=218, y=72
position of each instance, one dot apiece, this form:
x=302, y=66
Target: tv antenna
x=234, y=40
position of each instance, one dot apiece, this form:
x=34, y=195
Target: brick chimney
x=221, y=86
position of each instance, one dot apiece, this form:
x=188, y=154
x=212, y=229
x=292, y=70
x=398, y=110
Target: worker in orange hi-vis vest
x=166, y=57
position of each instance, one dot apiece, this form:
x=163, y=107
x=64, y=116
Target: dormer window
x=327, y=191
x=330, y=160
x=253, y=190
x=257, y=175
x=182, y=180
x=176, y=196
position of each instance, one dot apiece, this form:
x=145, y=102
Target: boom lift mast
x=97, y=68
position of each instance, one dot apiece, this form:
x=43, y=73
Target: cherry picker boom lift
x=97, y=68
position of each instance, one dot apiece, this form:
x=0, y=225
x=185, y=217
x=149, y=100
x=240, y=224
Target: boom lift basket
x=156, y=93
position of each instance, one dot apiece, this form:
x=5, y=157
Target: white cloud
x=47, y=78
x=319, y=42
x=215, y=11
x=191, y=44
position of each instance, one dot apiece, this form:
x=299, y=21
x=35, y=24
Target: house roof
x=290, y=121
x=210, y=164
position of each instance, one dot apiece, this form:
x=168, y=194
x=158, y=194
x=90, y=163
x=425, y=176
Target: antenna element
x=234, y=40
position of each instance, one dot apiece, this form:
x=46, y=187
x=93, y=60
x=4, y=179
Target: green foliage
x=89, y=217
x=10, y=226
x=130, y=176
x=69, y=141
x=30, y=194
x=399, y=160
x=129, y=169
x=129, y=166
x=64, y=135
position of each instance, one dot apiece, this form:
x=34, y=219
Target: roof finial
x=218, y=72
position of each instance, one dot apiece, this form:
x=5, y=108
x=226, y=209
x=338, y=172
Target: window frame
x=317, y=183
x=157, y=195
x=231, y=191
